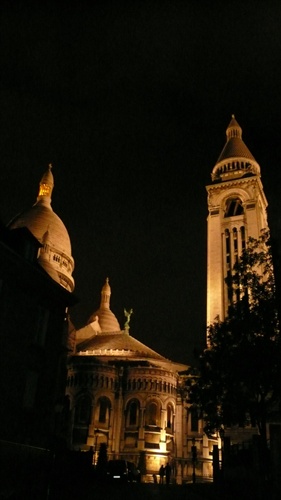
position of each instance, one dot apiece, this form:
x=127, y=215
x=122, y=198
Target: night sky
x=130, y=102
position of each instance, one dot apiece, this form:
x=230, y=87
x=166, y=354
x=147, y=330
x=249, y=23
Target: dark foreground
x=72, y=490
x=135, y=491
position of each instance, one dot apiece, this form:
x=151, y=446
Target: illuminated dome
x=235, y=160
x=107, y=320
x=55, y=254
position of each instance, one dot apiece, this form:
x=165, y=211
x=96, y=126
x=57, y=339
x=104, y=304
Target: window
x=235, y=241
x=103, y=410
x=83, y=411
x=227, y=248
x=170, y=415
x=152, y=414
x=133, y=413
x=233, y=207
x=44, y=190
x=243, y=240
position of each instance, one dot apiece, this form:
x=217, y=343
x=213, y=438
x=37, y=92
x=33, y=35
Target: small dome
x=235, y=160
x=55, y=254
x=107, y=320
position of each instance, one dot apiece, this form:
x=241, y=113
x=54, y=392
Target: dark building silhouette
x=34, y=343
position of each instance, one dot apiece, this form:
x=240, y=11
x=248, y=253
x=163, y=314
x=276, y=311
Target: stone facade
x=236, y=211
x=124, y=394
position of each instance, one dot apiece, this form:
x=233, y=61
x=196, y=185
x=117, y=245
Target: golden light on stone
x=44, y=190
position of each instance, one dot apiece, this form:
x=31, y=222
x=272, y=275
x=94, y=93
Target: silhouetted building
x=35, y=284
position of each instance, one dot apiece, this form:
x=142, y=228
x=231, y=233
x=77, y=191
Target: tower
x=236, y=211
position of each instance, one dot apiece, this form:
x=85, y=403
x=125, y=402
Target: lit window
x=44, y=190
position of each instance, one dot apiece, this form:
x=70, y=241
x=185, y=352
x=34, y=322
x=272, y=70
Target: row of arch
x=153, y=414
x=89, y=380
x=150, y=385
x=234, y=165
x=104, y=382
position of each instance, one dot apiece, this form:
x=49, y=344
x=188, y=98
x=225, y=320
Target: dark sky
x=130, y=102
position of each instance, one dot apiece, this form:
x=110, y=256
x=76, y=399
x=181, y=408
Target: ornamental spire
x=235, y=160
x=105, y=295
x=46, y=186
x=233, y=129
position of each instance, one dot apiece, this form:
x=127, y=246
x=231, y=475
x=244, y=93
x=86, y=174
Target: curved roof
x=111, y=343
x=107, y=320
x=121, y=345
x=103, y=339
x=235, y=160
x=41, y=220
x=46, y=226
x=234, y=146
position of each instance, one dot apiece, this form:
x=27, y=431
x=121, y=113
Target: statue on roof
x=128, y=316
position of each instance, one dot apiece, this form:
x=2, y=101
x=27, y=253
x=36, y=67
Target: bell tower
x=236, y=211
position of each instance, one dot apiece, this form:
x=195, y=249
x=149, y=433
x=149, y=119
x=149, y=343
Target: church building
x=124, y=394
x=118, y=390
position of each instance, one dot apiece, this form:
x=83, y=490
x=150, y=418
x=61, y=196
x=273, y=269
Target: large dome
x=41, y=221
x=55, y=254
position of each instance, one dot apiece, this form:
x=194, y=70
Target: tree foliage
x=238, y=381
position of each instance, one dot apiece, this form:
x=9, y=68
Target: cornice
x=234, y=183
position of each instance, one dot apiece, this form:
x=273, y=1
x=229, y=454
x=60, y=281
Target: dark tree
x=238, y=381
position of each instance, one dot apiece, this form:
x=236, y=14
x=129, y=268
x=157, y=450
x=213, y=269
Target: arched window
x=233, y=207
x=133, y=409
x=235, y=244
x=103, y=411
x=152, y=414
x=243, y=240
x=170, y=417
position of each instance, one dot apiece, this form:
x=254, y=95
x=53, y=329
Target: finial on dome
x=46, y=185
x=105, y=295
x=233, y=129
